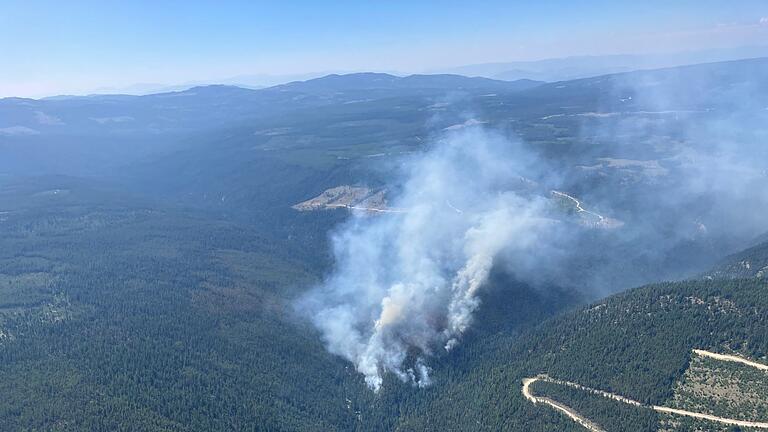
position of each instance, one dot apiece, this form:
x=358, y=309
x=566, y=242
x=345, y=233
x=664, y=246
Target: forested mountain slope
x=637, y=344
x=752, y=262
x=120, y=313
x=150, y=257
x=163, y=321
x=119, y=316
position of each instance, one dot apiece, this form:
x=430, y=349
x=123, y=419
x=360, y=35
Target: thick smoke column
x=677, y=156
x=406, y=284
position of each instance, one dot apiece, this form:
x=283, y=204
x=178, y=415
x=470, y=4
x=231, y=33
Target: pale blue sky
x=54, y=46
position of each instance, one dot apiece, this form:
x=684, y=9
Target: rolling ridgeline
x=151, y=260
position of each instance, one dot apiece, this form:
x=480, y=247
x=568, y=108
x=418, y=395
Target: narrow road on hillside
x=579, y=208
x=568, y=411
x=368, y=209
x=591, y=426
x=731, y=358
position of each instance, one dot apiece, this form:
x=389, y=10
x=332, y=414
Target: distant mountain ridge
x=750, y=263
x=332, y=82
x=374, y=81
x=575, y=67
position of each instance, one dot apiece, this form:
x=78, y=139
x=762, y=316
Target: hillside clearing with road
x=591, y=426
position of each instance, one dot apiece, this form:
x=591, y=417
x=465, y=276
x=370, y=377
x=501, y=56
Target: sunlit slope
x=638, y=344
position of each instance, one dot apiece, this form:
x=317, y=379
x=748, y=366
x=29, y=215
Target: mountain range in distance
x=549, y=70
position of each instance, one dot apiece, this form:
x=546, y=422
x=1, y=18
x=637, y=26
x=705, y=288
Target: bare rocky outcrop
x=350, y=197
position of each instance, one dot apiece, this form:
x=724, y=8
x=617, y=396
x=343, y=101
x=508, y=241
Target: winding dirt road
x=368, y=209
x=579, y=208
x=568, y=411
x=731, y=358
x=593, y=427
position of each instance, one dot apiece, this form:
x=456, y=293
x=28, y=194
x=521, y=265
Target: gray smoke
x=407, y=284
x=681, y=157
x=682, y=162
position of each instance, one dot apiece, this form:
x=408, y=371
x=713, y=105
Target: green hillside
x=752, y=262
x=119, y=316
x=127, y=318
x=637, y=344
x=150, y=257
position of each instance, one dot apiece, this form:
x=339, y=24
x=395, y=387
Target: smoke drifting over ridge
x=406, y=284
x=679, y=160
x=681, y=156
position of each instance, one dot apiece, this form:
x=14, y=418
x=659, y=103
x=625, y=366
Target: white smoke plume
x=677, y=156
x=406, y=285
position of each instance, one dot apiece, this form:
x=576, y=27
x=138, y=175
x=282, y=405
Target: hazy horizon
x=88, y=47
